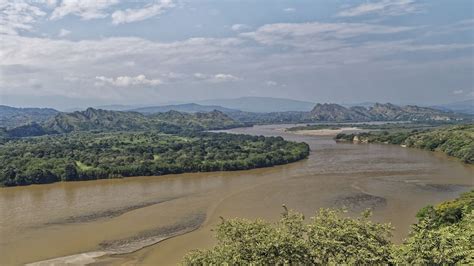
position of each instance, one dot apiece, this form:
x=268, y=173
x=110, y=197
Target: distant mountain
x=363, y=104
x=466, y=107
x=187, y=108
x=105, y=120
x=261, y=104
x=200, y=120
x=271, y=118
x=336, y=112
x=96, y=119
x=379, y=112
x=117, y=107
x=330, y=112
x=13, y=117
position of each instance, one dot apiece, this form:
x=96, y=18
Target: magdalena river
x=102, y=222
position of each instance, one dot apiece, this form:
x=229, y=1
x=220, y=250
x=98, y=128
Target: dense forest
x=443, y=236
x=88, y=155
x=457, y=141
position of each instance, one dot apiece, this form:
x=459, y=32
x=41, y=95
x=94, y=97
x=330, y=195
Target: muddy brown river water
x=156, y=220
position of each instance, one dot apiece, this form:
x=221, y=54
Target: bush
x=330, y=238
x=444, y=235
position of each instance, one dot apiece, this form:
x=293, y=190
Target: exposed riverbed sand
x=325, y=132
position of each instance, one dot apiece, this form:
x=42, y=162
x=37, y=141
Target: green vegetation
x=105, y=121
x=198, y=121
x=444, y=235
x=86, y=155
x=448, y=212
x=457, y=141
x=331, y=238
x=328, y=112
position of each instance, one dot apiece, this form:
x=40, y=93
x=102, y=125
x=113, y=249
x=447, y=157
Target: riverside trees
x=86, y=155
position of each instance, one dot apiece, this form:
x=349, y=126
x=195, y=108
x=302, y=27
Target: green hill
x=202, y=121
x=457, y=141
x=330, y=112
x=381, y=112
x=105, y=121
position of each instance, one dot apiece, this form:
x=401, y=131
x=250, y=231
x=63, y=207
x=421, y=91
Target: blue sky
x=77, y=53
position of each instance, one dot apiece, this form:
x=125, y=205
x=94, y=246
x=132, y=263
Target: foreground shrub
x=330, y=237
x=444, y=235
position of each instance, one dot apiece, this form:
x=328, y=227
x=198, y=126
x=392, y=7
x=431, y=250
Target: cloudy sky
x=67, y=54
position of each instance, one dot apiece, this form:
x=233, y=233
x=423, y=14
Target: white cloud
x=303, y=50
x=239, y=27
x=217, y=78
x=224, y=78
x=457, y=92
x=384, y=7
x=63, y=33
x=139, y=14
x=317, y=36
x=125, y=81
x=289, y=9
x=271, y=83
x=86, y=9
x=18, y=16
x=200, y=76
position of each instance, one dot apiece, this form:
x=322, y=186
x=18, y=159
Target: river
x=102, y=221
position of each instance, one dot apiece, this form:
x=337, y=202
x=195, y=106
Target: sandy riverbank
x=325, y=132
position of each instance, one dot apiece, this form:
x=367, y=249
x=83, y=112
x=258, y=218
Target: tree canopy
x=86, y=155
x=331, y=237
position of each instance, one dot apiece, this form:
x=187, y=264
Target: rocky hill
x=96, y=119
x=201, y=120
x=104, y=120
x=330, y=112
x=335, y=112
x=380, y=112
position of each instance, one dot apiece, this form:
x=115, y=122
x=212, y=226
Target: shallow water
x=117, y=216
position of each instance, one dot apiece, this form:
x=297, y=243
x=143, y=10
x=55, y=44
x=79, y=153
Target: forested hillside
x=329, y=112
x=457, y=141
x=86, y=156
x=199, y=121
x=104, y=120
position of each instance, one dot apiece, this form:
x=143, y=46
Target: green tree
x=70, y=172
x=330, y=238
x=429, y=244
